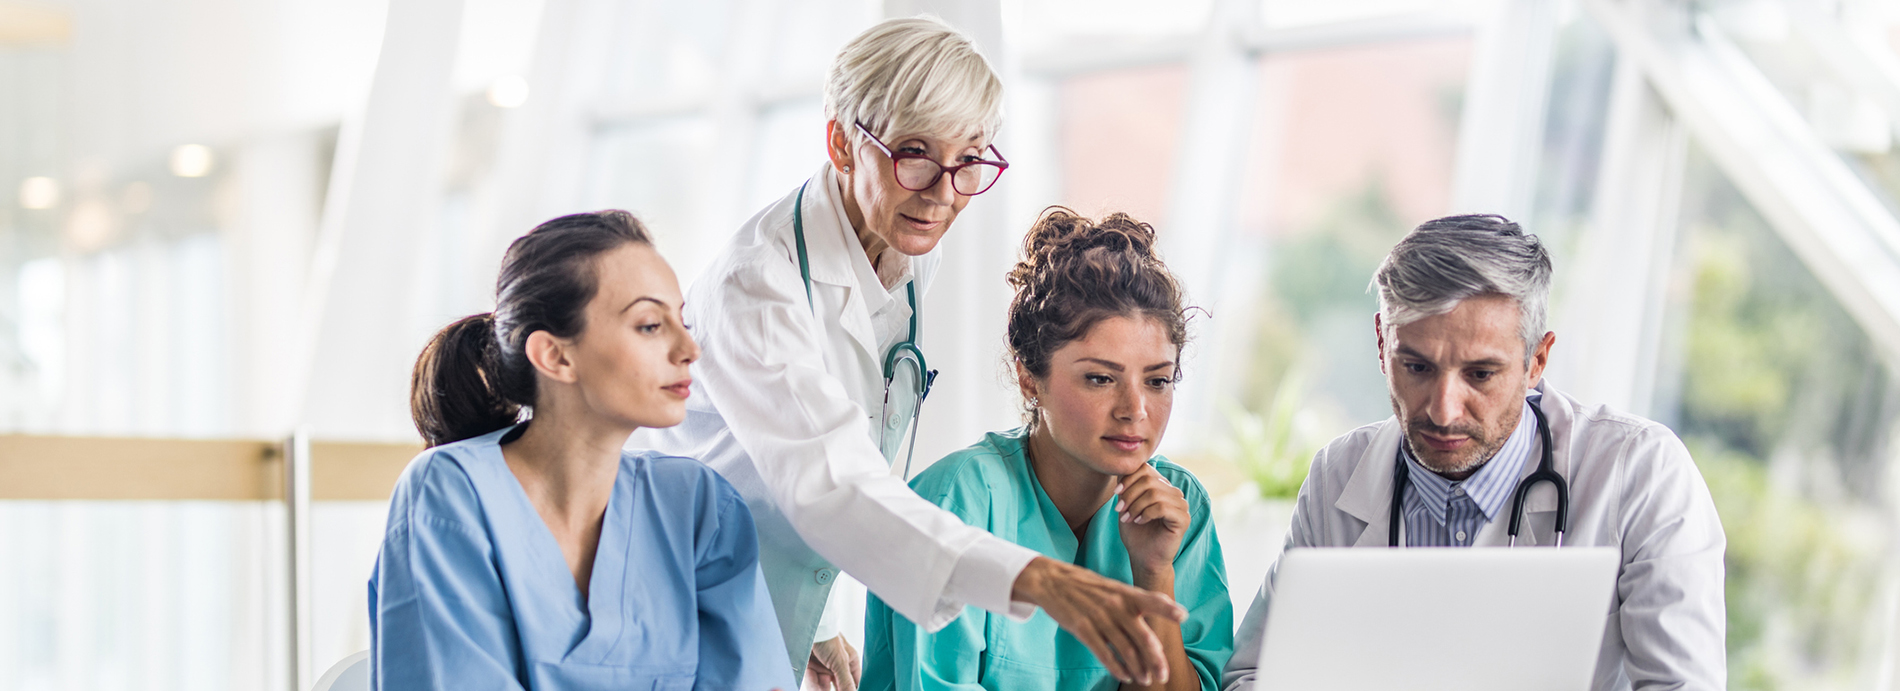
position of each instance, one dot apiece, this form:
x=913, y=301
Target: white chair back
x=349, y=674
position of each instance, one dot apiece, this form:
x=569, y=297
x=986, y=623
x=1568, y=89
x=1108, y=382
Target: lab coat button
x=822, y=576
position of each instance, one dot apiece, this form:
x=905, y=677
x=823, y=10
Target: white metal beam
x=1872, y=69
x=1825, y=213
x=385, y=188
x=1500, y=134
x=268, y=252
x=1198, y=234
x=1610, y=300
x=298, y=587
x=735, y=112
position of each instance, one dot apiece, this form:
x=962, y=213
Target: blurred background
x=228, y=226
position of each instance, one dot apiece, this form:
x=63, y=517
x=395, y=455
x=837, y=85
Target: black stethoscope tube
x=1546, y=472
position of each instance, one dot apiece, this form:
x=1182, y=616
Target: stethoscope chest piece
x=904, y=360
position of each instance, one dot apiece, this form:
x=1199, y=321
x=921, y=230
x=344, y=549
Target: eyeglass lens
x=918, y=174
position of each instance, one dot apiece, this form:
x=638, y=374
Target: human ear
x=1026, y=382
x=1541, y=357
x=1378, y=333
x=838, y=145
x=549, y=356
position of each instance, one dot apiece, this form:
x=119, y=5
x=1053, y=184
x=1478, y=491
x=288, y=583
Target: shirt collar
x=1491, y=485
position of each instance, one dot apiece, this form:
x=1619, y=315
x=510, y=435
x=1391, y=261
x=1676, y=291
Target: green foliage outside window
x=1789, y=415
x=1314, y=373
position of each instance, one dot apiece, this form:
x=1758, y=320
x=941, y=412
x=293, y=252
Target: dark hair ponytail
x=474, y=376
x=1076, y=272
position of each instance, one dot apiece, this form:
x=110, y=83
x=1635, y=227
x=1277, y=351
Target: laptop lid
x=1468, y=619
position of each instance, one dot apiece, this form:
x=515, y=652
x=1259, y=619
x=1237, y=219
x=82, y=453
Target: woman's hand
x=833, y=666
x=1154, y=516
x=1105, y=615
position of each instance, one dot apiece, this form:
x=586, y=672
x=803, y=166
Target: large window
x=1790, y=412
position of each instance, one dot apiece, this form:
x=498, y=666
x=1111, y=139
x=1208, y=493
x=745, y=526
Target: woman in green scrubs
x=1096, y=330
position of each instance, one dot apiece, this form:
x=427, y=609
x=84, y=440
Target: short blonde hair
x=914, y=76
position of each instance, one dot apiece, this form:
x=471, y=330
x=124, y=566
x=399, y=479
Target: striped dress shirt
x=1444, y=513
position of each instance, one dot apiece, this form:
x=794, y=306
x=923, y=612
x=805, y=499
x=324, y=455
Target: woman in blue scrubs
x=536, y=554
x=1096, y=331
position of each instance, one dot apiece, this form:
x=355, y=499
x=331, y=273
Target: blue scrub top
x=471, y=591
x=991, y=486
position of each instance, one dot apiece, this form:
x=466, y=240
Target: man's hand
x=1154, y=516
x=1103, y=614
x=833, y=666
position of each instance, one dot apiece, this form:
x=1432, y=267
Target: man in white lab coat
x=1462, y=343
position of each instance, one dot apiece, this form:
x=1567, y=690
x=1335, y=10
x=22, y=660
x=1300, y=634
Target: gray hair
x=1446, y=261
x=914, y=76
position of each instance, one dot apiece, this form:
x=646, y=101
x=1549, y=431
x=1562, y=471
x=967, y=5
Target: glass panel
x=1294, y=13
x=660, y=171
x=172, y=595
x=345, y=537
x=1790, y=414
x=1350, y=148
x=1354, y=148
x=1053, y=24
x=146, y=595
x=1118, y=133
x=32, y=284
x=1821, y=60
x=1583, y=64
x=672, y=50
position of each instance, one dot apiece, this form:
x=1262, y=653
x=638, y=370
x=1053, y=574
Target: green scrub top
x=991, y=486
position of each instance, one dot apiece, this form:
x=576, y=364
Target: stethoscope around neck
x=904, y=355
x=1546, y=472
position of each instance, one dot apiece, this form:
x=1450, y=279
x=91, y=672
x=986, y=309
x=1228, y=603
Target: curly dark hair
x=1076, y=272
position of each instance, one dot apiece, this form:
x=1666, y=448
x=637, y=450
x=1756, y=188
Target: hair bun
x=1076, y=272
x=1062, y=236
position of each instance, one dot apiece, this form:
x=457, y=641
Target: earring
x=1034, y=403
x=847, y=170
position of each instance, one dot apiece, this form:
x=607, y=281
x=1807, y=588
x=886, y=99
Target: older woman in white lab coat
x=1463, y=346
x=797, y=317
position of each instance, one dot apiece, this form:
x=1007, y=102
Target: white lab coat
x=1632, y=487
x=784, y=404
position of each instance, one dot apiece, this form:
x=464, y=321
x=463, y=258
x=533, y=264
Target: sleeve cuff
x=984, y=577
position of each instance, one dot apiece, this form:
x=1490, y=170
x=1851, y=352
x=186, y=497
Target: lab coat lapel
x=1367, y=495
x=829, y=244
x=1540, y=510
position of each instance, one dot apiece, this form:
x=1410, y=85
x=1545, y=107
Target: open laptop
x=1437, y=618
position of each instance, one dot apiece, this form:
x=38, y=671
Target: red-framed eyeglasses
x=917, y=172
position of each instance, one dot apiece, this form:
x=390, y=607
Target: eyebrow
x=641, y=299
x=1407, y=351
x=1118, y=366
x=975, y=142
